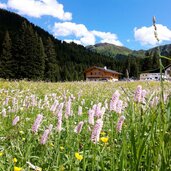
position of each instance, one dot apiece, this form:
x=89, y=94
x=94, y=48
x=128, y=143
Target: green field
x=140, y=142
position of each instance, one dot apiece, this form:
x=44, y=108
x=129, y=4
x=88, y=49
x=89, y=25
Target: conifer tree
x=6, y=59
x=42, y=56
x=51, y=66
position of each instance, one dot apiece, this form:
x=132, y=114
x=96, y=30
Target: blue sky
x=120, y=22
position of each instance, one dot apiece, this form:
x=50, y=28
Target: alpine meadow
x=66, y=105
x=85, y=126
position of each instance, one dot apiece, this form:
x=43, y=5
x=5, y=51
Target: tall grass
x=144, y=142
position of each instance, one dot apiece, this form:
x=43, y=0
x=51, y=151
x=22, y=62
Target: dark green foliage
x=51, y=65
x=6, y=59
x=42, y=57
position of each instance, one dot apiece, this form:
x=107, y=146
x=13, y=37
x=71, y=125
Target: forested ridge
x=29, y=52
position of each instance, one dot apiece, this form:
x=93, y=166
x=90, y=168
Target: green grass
x=144, y=143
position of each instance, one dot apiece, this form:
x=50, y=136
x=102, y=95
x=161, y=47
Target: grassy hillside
x=121, y=52
x=109, y=49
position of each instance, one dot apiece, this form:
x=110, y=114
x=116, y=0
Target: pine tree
x=18, y=51
x=29, y=54
x=52, y=72
x=6, y=59
x=42, y=57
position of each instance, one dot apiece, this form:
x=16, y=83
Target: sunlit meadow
x=85, y=126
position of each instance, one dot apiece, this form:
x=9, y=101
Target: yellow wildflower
x=104, y=139
x=62, y=148
x=17, y=168
x=1, y=154
x=14, y=160
x=78, y=156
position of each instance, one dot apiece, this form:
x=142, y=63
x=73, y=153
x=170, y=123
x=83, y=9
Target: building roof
x=103, y=69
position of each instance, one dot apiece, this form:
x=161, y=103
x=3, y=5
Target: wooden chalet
x=101, y=74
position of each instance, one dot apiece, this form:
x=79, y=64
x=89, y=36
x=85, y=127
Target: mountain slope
x=120, y=52
x=109, y=49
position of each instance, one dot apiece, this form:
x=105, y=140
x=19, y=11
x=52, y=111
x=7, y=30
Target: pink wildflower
x=33, y=100
x=116, y=95
x=37, y=122
x=54, y=106
x=137, y=96
x=98, y=109
x=96, y=131
x=101, y=113
x=91, y=117
x=143, y=94
x=46, y=134
x=114, y=100
x=16, y=120
x=5, y=103
x=80, y=110
x=119, y=106
x=94, y=107
x=59, y=111
x=59, y=126
x=68, y=108
x=78, y=128
x=120, y=123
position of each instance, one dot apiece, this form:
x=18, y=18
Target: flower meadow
x=92, y=126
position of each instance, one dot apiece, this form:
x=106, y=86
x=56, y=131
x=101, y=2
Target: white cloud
x=3, y=5
x=76, y=30
x=75, y=41
x=38, y=8
x=107, y=37
x=145, y=35
x=83, y=35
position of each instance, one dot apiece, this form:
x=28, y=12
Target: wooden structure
x=101, y=74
